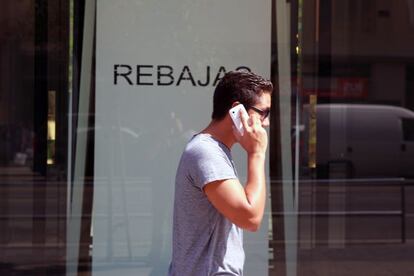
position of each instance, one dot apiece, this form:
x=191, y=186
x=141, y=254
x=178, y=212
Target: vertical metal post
x=403, y=231
x=284, y=69
x=40, y=128
x=75, y=216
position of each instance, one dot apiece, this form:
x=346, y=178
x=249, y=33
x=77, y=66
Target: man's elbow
x=252, y=225
x=247, y=218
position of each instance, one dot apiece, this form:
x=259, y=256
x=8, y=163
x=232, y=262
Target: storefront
x=98, y=98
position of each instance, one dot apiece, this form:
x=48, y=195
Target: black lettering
x=169, y=75
x=218, y=77
x=243, y=68
x=122, y=74
x=189, y=77
x=140, y=74
x=207, y=78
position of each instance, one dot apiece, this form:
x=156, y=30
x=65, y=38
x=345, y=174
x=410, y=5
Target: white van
x=366, y=140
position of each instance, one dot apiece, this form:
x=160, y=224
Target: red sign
x=348, y=88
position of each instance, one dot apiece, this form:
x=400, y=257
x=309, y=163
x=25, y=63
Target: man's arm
x=244, y=206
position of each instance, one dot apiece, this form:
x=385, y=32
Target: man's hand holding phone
x=253, y=137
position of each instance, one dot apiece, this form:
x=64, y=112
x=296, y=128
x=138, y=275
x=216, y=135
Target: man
x=211, y=206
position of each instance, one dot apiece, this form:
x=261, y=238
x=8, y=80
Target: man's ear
x=235, y=103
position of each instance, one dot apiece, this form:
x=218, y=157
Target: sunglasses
x=263, y=113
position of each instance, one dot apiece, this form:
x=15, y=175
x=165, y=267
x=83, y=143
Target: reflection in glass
x=356, y=170
x=33, y=137
x=51, y=127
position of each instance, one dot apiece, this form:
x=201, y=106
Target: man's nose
x=266, y=122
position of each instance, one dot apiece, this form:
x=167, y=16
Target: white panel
x=142, y=125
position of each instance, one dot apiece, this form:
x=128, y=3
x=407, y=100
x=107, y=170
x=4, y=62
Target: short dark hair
x=241, y=86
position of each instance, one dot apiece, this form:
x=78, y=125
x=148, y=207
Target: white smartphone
x=236, y=117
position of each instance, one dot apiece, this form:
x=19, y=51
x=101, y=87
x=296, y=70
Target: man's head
x=239, y=86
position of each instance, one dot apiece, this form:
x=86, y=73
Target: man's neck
x=221, y=131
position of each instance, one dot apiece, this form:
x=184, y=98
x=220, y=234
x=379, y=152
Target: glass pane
x=80, y=185
x=351, y=110
x=33, y=136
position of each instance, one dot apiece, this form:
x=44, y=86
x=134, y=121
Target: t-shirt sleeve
x=210, y=164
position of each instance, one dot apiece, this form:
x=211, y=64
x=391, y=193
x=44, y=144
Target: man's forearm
x=255, y=187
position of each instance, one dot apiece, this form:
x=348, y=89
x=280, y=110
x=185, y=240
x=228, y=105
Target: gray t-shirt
x=204, y=241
